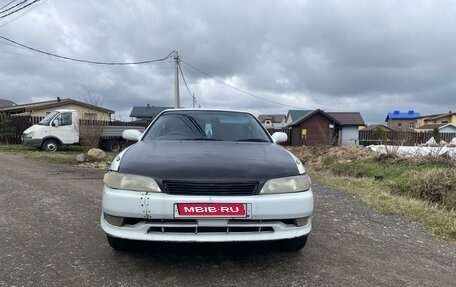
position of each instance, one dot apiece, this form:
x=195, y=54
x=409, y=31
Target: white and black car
x=206, y=176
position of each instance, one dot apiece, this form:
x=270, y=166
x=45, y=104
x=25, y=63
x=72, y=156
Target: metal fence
x=400, y=138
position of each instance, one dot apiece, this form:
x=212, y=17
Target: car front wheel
x=50, y=145
x=293, y=244
x=117, y=243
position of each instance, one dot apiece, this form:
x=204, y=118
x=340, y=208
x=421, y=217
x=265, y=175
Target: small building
x=349, y=124
x=146, y=113
x=402, y=121
x=273, y=121
x=314, y=128
x=40, y=109
x=443, y=128
x=377, y=127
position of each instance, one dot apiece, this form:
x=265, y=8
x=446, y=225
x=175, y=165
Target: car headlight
x=287, y=184
x=29, y=135
x=118, y=180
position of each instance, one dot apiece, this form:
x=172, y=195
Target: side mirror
x=55, y=123
x=279, y=137
x=132, y=135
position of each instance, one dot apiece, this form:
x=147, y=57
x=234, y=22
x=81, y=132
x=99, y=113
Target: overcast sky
x=371, y=57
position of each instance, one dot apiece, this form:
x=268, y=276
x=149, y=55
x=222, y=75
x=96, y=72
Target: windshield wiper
x=253, y=140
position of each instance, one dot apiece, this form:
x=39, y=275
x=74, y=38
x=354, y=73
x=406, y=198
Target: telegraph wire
x=12, y=7
x=19, y=9
x=24, y=13
x=87, y=61
x=195, y=102
x=235, y=88
x=6, y=5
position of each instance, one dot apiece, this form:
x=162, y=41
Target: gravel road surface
x=50, y=236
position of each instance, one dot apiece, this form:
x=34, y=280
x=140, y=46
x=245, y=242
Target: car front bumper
x=270, y=217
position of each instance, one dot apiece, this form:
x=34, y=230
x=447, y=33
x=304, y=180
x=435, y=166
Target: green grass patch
x=440, y=221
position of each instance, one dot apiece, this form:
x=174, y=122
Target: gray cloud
x=367, y=56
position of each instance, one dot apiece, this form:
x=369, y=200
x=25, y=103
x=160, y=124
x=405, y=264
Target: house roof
x=373, y=127
x=433, y=126
x=434, y=117
x=312, y=113
x=397, y=115
x=348, y=118
x=296, y=114
x=273, y=118
x=53, y=104
x=6, y=103
x=147, y=111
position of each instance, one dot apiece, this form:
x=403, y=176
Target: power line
x=12, y=7
x=87, y=61
x=237, y=89
x=6, y=5
x=24, y=13
x=188, y=89
x=19, y=9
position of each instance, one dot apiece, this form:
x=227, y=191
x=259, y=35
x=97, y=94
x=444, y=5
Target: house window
x=399, y=124
x=412, y=125
x=444, y=122
x=90, y=116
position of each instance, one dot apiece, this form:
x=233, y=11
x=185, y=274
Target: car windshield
x=47, y=119
x=206, y=126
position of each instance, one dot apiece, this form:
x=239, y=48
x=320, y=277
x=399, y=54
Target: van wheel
x=113, y=145
x=293, y=244
x=50, y=145
x=117, y=243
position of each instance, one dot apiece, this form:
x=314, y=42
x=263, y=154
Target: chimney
x=411, y=112
x=148, y=106
x=396, y=112
x=58, y=99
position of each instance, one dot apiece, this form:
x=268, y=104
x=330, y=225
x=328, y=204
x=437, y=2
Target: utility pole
x=194, y=101
x=176, y=81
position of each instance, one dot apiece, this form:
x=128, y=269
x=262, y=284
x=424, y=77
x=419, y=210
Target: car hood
x=208, y=161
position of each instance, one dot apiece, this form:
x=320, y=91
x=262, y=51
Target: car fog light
x=302, y=221
x=114, y=220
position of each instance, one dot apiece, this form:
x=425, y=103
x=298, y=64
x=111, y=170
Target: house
x=146, y=113
x=314, y=128
x=6, y=103
x=348, y=127
x=402, y=121
x=443, y=128
x=447, y=118
x=294, y=115
x=272, y=121
x=41, y=109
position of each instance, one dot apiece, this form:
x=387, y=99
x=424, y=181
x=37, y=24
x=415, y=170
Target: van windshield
x=47, y=119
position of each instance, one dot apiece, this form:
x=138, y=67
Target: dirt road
x=50, y=236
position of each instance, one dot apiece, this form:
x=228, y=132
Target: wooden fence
x=400, y=138
x=18, y=124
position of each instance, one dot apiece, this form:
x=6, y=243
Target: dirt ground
x=49, y=218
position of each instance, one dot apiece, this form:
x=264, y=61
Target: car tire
x=293, y=244
x=50, y=145
x=117, y=243
x=113, y=145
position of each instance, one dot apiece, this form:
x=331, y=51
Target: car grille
x=204, y=188
x=191, y=227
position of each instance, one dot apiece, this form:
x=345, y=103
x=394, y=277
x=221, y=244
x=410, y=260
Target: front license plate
x=211, y=210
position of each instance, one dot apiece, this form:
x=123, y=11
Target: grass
x=65, y=155
x=440, y=221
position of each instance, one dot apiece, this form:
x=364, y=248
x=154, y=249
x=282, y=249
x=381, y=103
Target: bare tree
x=90, y=127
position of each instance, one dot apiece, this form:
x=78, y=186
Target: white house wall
x=349, y=135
